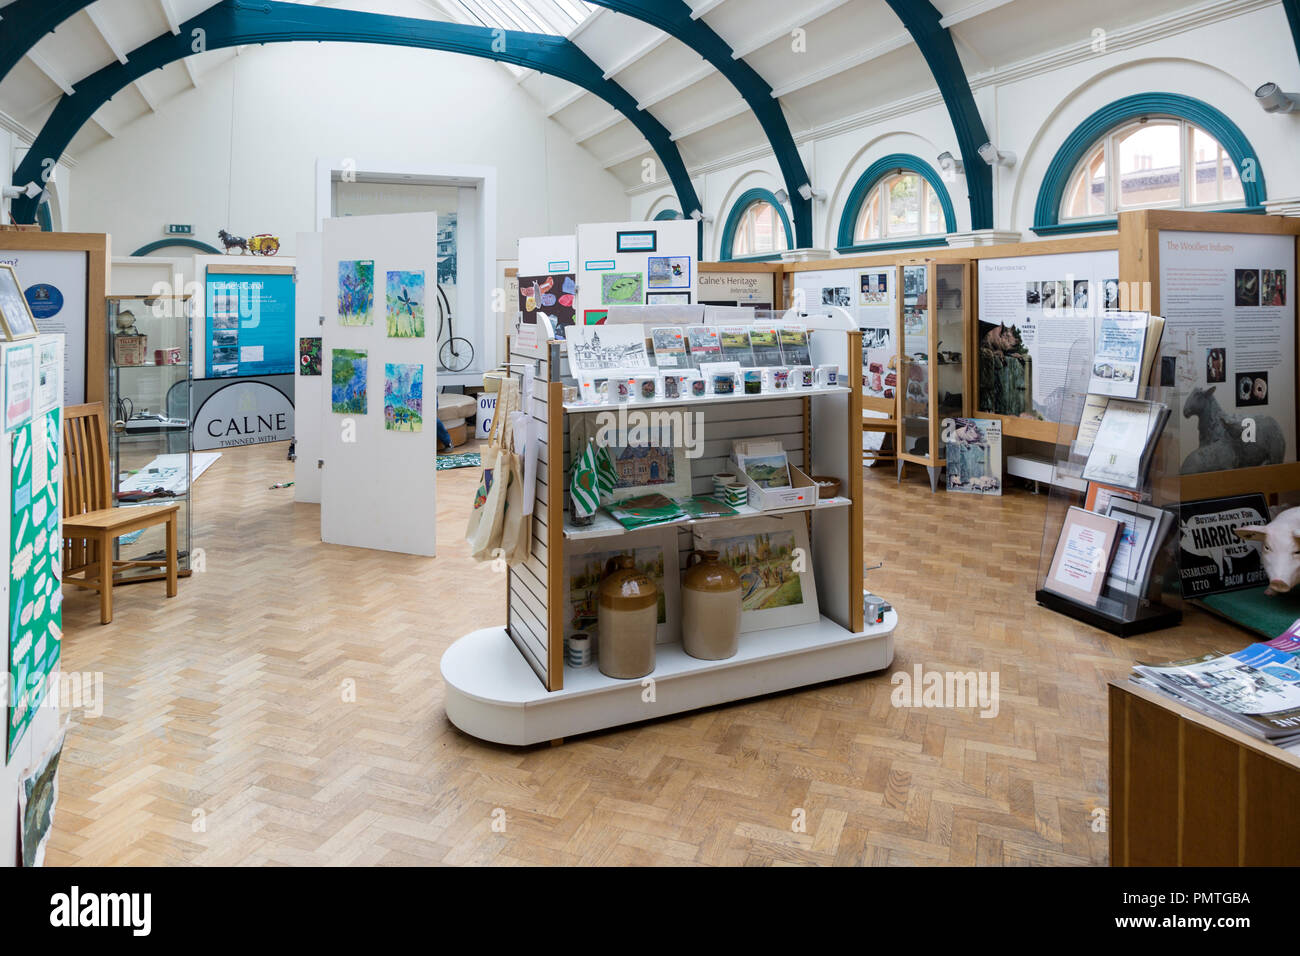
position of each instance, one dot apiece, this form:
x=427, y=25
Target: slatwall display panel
x=527, y=582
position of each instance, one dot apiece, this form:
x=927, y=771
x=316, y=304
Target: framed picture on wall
x=15, y=314
x=667, y=298
x=636, y=241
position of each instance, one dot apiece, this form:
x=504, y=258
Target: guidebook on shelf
x=735, y=344
x=704, y=344
x=1123, y=352
x=1256, y=689
x=670, y=347
x=1121, y=449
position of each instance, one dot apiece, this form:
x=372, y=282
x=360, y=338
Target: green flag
x=584, y=484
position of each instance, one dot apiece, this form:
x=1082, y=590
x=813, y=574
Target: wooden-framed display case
x=934, y=358
x=512, y=684
x=149, y=421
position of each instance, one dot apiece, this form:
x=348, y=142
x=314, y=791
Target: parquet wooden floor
x=286, y=708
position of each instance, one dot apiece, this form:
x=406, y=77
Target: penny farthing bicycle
x=455, y=354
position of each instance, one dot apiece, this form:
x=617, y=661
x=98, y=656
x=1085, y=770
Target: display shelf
x=573, y=407
x=492, y=693
x=603, y=526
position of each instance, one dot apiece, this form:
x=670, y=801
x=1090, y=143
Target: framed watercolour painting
x=775, y=566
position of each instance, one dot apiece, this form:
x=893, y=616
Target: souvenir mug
x=577, y=650
x=780, y=379
x=802, y=376
x=724, y=383
x=699, y=387
x=672, y=386
x=624, y=389
x=827, y=375
x=643, y=388
x=753, y=379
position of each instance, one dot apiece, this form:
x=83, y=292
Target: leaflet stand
x=1133, y=599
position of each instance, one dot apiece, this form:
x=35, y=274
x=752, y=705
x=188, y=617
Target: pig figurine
x=1281, y=551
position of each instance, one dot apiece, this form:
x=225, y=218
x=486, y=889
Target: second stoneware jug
x=627, y=614
x=710, y=607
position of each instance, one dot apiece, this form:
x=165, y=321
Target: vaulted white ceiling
x=827, y=62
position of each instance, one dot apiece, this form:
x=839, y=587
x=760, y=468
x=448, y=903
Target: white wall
x=1030, y=108
x=240, y=151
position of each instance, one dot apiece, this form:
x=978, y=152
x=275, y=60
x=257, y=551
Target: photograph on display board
x=15, y=313
x=403, y=397
x=309, y=356
x=357, y=292
x=873, y=288
x=668, y=272
x=667, y=298
x=622, y=288
x=837, y=296
x=348, y=381
x=19, y=385
x=1272, y=287
x=879, y=362
x=404, y=297
x=595, y=316
x=552, y=295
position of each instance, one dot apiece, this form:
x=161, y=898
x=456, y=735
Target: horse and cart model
x=263, y=244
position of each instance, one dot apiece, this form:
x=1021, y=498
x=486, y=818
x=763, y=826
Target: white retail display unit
x=511, y=685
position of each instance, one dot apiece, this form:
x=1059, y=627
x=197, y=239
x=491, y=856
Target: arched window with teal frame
x=757, y=228
x=898, y=202
x=664, y=214
x=1148, y=151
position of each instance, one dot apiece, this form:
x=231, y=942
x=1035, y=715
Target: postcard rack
x=1139, y=583
x=511, y=684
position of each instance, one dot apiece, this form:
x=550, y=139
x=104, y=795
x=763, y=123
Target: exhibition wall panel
x=377, y=484
x=310, y=384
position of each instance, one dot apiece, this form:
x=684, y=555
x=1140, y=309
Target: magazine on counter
x=1256, y=689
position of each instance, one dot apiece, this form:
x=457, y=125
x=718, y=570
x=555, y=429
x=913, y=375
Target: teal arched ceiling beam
x=674, y=18
x=236, y=23
x=935, y=43
x=24, y=22
x=1292, y=8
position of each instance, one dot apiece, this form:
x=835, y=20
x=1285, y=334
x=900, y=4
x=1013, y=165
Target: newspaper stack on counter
x=1255, y=690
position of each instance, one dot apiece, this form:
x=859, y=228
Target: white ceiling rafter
x=169, y=13
x=738, y=108
x=637, y=53
x=52, y=73
x=565, y=101
x=702, y=9
x=150, y=100
x=612, y=119
x=104, y=125
x=836, y=67
x=783, y=29
x=683, y=82
x=97, y=18
x=626, y=156
x=188, y=63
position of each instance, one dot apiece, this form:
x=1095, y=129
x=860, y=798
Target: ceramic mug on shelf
x=644, y=388
x=803, y=376
x=623, y=389
x=724, y=383
x=827, y=376
x=780, y=378
x=753, y=380
x=672, y=386
x=698, y=388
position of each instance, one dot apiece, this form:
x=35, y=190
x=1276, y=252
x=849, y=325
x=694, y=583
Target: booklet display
x=1125, y=440
x=1083, y=556
x=1144, y=528
x=735, y=344
x=670, y=347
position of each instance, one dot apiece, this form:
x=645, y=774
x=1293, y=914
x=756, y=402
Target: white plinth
x=494, y=695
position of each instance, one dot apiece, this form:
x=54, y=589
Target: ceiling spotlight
x=782, y=196
x=991, y=155
x=807, y=192
x=31, y=191
x=1273, y=100
x=949, y=164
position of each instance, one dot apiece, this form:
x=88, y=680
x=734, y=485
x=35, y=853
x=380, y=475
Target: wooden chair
x=888, y=450
x=90, y=522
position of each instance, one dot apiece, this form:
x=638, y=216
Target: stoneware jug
x=627, y=613
x=710, y=607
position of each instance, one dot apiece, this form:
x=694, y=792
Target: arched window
x=757, y=227
x=1155, y=161
x=664, y=214
x=1149, y=150
x=898, y=201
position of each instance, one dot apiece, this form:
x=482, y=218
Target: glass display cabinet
x=148, y=415
x=934, y=370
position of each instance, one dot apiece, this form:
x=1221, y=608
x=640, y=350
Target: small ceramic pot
x=627, y=615
x=710, y=608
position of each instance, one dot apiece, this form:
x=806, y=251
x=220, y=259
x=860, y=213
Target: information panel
x=250, y=324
